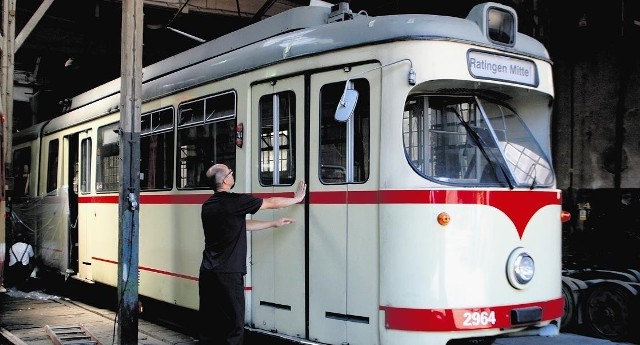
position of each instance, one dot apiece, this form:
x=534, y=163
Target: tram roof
x=296, y=33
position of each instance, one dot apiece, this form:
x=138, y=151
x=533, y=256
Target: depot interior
x=75, y=46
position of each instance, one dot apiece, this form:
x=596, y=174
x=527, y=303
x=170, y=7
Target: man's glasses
x=227, y=175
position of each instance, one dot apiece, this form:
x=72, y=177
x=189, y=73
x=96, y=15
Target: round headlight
x=520, y=268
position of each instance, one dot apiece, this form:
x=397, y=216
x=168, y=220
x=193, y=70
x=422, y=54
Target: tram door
x=276, y=260
x=85, y=215
x=343, y=210
x=70, y=181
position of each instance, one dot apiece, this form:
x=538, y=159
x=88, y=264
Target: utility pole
x=9, y=46
x=130, y=107
x=6, y=100
x=3, y=205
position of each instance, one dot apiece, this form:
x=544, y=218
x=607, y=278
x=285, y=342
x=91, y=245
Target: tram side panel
x=276, y=262
x=182, y=143
x=363, y=221
x=170, y=251
x=42, y=206
x=343, y=211
x=85, y=145
x=167, y=233
x=174, y=186
x=23, y=201
x=98, y=216
x=26, y=159
x=52, y=235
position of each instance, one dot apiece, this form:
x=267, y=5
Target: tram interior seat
x=332, y=173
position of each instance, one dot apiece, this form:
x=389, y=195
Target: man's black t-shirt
x=223, y=220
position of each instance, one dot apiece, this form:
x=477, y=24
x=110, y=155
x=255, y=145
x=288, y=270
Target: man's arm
x=281, y=202
x=254, y=225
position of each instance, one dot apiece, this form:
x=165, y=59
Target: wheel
x=570, y=306
x=609, y=311
x=635, y=274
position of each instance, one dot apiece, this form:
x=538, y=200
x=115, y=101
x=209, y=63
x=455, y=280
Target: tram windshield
x=472, y=141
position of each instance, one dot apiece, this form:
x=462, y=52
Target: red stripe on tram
x=442, y=320
x=519, y=206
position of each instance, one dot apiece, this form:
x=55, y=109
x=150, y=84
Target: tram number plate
x=478, y=319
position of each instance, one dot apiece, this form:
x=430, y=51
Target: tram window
x=156, y=150
x=436, y=141
x=221, y=106
x=21, y=168
x=277, y=151
x=337, y=165
x=467, y=140
x=205, y=139
x=85, y=165
x=192, y=112
x=523, y=155
x=52, y=166
x=107, y=158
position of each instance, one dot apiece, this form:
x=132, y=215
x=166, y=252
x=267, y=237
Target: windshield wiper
x=481, y=146
x=534, y=177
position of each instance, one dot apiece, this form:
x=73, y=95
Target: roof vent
x=340, y=12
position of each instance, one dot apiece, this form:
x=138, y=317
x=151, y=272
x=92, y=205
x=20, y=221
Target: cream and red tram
x=432, y=212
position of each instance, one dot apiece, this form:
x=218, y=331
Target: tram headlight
x=520, y=268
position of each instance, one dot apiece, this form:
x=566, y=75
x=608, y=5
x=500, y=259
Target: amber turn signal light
x=444, y=218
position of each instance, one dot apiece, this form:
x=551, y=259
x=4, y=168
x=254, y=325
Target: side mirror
x=346, y=105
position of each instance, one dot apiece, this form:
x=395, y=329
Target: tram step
x=71, y=335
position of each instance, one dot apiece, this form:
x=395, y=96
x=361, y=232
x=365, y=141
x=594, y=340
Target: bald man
x=224, y=257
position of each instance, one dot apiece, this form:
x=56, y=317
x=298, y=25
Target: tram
x=432, y=214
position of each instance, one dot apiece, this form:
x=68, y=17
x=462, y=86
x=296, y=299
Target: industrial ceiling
x=75, y=45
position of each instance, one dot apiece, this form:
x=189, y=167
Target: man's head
x=220, y=177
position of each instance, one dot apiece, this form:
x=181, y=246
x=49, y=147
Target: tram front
x=470, y=216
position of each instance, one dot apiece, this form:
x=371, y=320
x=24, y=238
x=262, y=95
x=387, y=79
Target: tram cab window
x=438, y=142
x=156, y=150
x=108, y=158
x=277, y=139
x=344, y=146
x=468, y=140
x=525, y=159
x=206, y=135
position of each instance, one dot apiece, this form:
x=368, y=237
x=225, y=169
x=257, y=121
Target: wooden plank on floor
x=24, y=319
x=12, y=338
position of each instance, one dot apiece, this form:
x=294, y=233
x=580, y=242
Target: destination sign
x=499, y=67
